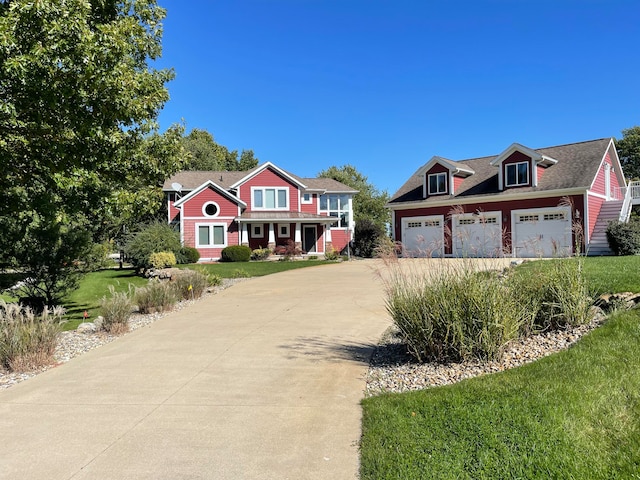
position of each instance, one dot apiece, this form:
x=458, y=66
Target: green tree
x=78, y=104
x=369, y=203
x=206, y=154
x=629, y=151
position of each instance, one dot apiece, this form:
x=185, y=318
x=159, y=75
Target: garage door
x=542, y=232
x=477, y=235
x=423, y=236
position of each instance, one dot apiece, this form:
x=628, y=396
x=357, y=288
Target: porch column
x=328, y=244
x=272, y=236
x=298, y=235
x=244, y=235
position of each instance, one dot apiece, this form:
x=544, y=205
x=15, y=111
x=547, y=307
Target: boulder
x=87, y=327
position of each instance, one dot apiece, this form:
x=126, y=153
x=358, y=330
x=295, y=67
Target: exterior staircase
x=598, y=244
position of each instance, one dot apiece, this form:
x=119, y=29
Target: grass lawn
x=573, y=415
x=256, y=269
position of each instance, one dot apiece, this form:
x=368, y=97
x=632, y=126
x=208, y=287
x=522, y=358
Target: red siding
x=540, y=171
x=599, y=183
x=457, y=181
x=339, y=239
x=437, y=168
x=310, y=207
x=505, y=208
x=595, y=205
x=193, y=206
x=206, y=254
x=515, y=157
x=268, y=178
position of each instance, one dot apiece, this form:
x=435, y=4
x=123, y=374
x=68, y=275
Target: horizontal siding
x=310, y=207
x=339, y=239
x=595, y=205
x=193, y=206
x=269, y=178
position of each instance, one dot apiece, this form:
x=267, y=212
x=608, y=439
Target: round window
x=211, y=209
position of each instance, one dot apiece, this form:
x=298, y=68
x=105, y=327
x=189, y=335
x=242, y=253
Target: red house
x=262, y=208
x=523, y=202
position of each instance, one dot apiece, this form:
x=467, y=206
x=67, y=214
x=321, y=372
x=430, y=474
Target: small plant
x=236, y=253
x=190, y=284
x=162, y=260
x=188, y=255
x=332, y=255
x=28, y=341
x=312, y=257
x=240, y=273
x=289, y=250
x=157, y=296
x=260, y=254
x=116, y=311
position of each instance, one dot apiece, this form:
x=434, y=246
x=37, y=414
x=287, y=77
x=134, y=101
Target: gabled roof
x=456, y=168
x=535, y=155
x=205, y=185
x=576, y=167
x=264, y=166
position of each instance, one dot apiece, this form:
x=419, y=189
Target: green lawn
x=256, y=269
x=572, y=415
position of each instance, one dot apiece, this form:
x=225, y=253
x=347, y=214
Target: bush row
x=464, y=314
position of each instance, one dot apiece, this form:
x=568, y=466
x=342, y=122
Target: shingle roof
x=577, y=166
x=191, y=179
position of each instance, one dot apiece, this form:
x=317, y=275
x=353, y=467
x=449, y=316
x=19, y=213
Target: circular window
x=210, y=209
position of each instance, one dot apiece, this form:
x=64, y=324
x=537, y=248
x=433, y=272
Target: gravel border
x=393, y=370
x=73, y=343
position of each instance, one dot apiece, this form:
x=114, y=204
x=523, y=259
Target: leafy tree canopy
x=206, y=154
x=629, y=150
x=369, y=203
x=78, y=104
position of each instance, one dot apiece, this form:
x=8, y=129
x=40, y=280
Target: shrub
x=236, y=253
x=624, y=238
x=332, y=255
x=240, y=273
x=116, y=311
x=157, y=296
x=190, y=284
x=288, y=250
x=188, y=255
x=97, y=257
x=162, y=260
x=27, y=341
x=152, y=238
x=260, y=254
x=366, y=237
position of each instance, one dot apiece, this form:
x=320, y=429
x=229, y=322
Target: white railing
x=627, y=194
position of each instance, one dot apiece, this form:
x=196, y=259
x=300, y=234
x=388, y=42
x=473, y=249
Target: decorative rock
x=98, y=322
x=87, y=327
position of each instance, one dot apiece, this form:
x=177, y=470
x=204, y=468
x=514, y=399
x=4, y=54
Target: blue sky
x=385, y=85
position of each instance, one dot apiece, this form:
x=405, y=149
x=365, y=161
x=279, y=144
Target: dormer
x=519, y=166
x=442, y=177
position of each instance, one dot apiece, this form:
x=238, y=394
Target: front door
x=309, y=238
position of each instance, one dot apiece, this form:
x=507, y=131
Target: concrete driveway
x=262, y=381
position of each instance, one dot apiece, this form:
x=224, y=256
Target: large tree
x=369, y=202
x=78, y=104
x=629, y=150
x=207, y=154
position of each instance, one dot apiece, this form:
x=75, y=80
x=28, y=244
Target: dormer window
x=517, y=174
x=437, y=183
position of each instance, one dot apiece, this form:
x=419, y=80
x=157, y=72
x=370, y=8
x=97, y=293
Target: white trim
x=437, y=175
x=315, y=236
x=515, y=165
x=264, y=198
x=204, y=209
x=261, y=169
x=213, y=185
x=585, y=219
x=253, y=231
x=288, y=229
x=211, y=227
x=306, y=202
x=209, y=218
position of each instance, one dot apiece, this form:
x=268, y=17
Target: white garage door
x=542, y=232
x=423, y=236
x=477, y=235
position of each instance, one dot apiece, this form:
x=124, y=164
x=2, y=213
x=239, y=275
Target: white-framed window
x=517, y=174
x=270, y=198
x=283, y=230
x=211, y=235
x=437, y=183
x=527, y=218
x=257, y=231
x=210, y=209
x=336, y=205
x=307, y=198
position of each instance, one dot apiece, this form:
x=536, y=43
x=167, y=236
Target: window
x=256, y=231
x=517, y=174
x=270, y=198
x=210, y=209
x=527, y=218
x=553, y=216
x=283, y=230
x=414, y=224
x=212, y=235
x=307, y=198
x=437, y=183
x=336, y=205
x=466, y=221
